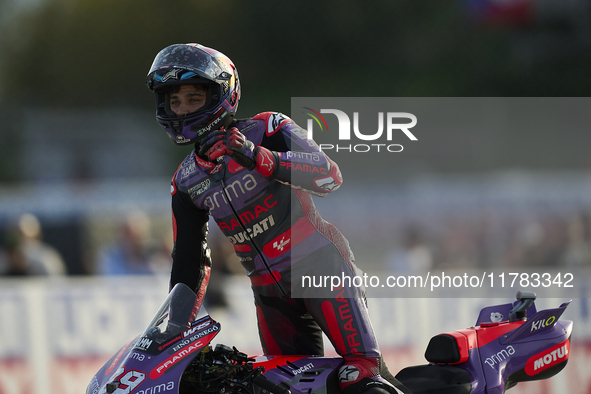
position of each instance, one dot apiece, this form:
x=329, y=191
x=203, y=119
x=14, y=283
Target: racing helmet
x=182, y=64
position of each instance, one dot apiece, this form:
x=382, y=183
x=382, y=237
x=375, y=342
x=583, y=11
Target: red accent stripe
x=265, y=279
x=201, y=292
x=173, y=183
x=335, y=172
x=203, y=163
x=234, y=167
x=117, y=358
x=333, y=327
x=284, y=242
x=489, y=334
x=264, y=116
x=242, y=248
x=172, y=193
x=466, y=340
x=173, y=227
x=269, y=344
x=477, y=337
x=270, y=362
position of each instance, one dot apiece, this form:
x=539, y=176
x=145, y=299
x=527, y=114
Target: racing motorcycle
x=510, y=343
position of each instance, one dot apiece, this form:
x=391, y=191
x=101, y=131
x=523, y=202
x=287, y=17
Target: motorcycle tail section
x=497, y=354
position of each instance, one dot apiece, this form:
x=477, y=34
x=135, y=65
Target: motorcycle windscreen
x=158, y=356
x=176, y=314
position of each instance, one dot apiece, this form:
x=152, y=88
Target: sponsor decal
x=238, y=188
x=137, y=356
x=279, y=245
x=329, y=184
x=265, y=162
x=275, y=121
x=203, y=163
x=195, y=337
x=345, y=316
x=143, y=343
x=199, y=188
x=310, y=156
x=253, y=231
x=285, y=241
x=543, y=323
x=304, y=368
x=348, y=373
x=196, y=328
x=172, y=74
x=160, y=388
x=496, y=317
x=94, y=386
x=548, y=358
x=250, y=126
x=499, y=357
x=224, y=75
x=304, y=167
x=180, y=139
x=125, y=382
x=180, y=356
x=188, y=170
x=249, y=215
x=216, y=169
x=213, y=123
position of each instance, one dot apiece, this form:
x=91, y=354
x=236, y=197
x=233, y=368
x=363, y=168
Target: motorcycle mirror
x=519, y=311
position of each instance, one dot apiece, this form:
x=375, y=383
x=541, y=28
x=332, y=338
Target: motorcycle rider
x=255, y=178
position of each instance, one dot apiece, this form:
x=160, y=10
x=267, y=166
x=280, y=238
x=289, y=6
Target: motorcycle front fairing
x=157, y=357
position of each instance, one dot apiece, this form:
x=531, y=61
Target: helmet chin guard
x=182, y=64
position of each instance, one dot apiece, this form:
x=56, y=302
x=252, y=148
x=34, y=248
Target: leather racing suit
x=279, y=237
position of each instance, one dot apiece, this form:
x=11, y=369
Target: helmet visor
x=187, y=57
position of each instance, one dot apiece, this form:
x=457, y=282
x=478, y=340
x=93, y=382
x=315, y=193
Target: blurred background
x=80, y=144
x=85, y=169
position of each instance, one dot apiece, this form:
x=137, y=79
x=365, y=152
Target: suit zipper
x=260, y=253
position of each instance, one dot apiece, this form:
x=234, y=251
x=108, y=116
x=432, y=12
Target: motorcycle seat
x=435, y=379
x=451, y=348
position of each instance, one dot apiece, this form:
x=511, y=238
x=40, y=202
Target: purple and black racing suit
x=279, y=236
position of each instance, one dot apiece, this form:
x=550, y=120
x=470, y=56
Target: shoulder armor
x=273, y=120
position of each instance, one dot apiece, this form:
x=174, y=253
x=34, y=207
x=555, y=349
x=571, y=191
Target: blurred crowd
x=476, y=241
x=133, y=250
x=24, y=253
x=484, y=241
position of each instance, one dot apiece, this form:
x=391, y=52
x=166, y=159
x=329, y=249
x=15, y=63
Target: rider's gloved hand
x=233, y=143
